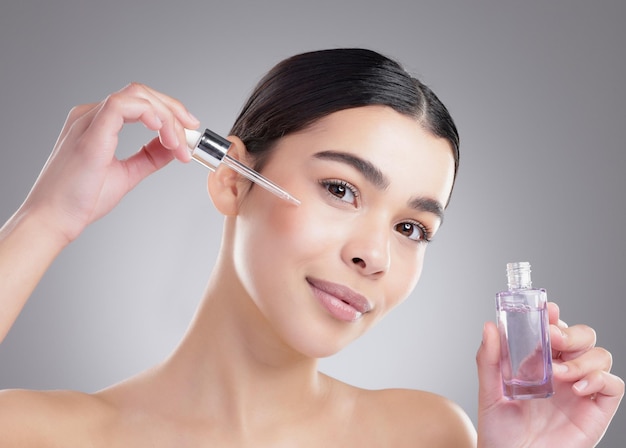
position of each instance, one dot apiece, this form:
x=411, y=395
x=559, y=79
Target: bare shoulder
x=43, y=418
x=418, y=418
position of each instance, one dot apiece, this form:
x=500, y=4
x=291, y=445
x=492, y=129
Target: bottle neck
x=518, y=275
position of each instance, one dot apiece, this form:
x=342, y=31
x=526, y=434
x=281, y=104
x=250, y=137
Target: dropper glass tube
x=210, y=149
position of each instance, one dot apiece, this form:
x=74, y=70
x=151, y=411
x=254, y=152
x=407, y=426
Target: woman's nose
x=368, y=251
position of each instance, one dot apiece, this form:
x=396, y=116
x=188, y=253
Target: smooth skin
x=245, y=374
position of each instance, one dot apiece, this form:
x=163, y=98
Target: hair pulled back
x=304, y=88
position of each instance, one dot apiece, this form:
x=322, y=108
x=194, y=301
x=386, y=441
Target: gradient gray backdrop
x=536, y=89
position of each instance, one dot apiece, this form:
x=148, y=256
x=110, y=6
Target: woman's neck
x=232, y=364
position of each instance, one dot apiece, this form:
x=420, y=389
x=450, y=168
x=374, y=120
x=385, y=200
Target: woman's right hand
x=83, y=179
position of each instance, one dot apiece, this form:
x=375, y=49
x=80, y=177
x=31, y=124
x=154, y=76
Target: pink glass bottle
x=526, y=356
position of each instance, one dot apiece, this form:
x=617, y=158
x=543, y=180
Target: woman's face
x=373, y=184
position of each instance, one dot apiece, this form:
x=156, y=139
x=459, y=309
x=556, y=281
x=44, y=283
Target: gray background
x=536, y=89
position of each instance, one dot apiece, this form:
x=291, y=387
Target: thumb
x=488, y=363
x=149, y=159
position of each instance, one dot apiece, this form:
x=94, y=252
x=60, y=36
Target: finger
x=595, y=359
x=488, y=363
x=103, y=121
x=572, y=341
x=602, y=386
x=110, y=117
x=182, y=152
x=150, y=158
x=173, y=114
x=182, y=113
x=553, y=312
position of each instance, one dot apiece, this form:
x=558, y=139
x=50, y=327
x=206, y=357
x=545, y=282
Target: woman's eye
x=342, y=190
x=413, y=231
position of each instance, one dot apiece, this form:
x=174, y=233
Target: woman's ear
x=226, y=187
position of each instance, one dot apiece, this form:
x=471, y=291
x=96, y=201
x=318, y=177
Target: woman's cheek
x=304, y=227
x=405, y=272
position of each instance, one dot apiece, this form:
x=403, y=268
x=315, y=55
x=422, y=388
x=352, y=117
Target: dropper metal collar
x=208, y=148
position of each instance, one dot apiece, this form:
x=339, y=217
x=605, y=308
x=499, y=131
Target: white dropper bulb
x=193, y=137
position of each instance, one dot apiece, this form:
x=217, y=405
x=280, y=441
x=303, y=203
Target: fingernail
x=560, y=368
x=581, y=385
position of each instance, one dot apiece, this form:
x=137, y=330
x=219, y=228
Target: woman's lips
x=340, y=301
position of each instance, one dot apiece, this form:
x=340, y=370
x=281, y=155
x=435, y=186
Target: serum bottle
x=526, y=355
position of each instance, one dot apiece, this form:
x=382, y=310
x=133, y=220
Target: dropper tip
x=293, y=200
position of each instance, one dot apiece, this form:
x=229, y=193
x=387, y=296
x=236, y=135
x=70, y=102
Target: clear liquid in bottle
x=526, y=355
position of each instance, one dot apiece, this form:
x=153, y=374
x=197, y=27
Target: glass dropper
x=210, y=149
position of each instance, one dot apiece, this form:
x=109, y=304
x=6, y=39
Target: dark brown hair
x=306, y=87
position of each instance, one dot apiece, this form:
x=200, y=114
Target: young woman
x=372, y=154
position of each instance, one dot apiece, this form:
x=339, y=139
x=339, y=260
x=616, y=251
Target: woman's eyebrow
x=427, y=205
x=370, y=172
x=379, y=180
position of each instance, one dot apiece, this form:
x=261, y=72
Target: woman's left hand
x=586, y=393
